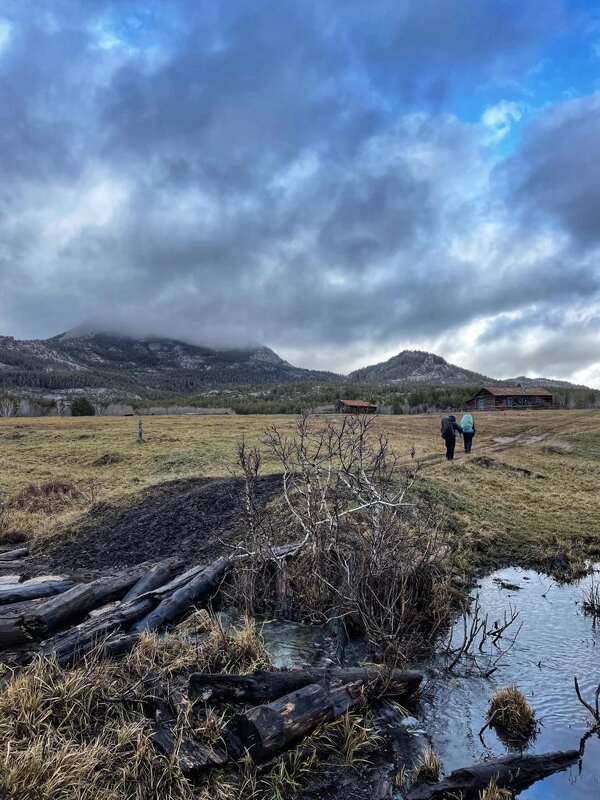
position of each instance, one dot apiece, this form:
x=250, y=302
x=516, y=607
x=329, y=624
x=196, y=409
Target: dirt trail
x=192, y=519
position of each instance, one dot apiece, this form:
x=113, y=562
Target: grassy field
x=505, y=512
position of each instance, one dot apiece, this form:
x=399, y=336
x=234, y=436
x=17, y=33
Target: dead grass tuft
x=511, y=716
x=48, y=497
x=238, y=649
x=65, y=735
x=106, y=459
x=591, y=600
x=494, y=792
x=558, y=448
x=428, y=767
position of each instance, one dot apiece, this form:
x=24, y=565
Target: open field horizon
x=530, y=485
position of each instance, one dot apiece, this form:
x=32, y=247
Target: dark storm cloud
x=279, y=171
x=557, y=172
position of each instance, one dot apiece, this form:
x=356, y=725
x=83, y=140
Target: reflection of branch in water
x=594, y=711
x=479, y=634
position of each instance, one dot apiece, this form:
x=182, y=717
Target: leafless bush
x=8, y=407
x=371, y=555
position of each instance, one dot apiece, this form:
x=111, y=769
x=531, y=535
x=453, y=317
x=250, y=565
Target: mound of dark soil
x=193, y=519
x=492, y=463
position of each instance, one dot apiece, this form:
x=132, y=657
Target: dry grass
x=427, y=768
x=82, y=733
x=511, y=716
x=494, y=792
x=238, y=649
x=64, y=735
x=502, y=514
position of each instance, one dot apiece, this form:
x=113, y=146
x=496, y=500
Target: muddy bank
x=196, y=520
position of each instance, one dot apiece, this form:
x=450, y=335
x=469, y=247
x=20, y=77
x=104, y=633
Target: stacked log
x=266, y=686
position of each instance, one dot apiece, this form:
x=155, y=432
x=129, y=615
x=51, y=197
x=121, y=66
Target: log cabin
x=355, y=407
x=503, y=398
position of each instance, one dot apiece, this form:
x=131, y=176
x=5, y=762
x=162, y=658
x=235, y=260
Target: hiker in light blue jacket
x=468, y=428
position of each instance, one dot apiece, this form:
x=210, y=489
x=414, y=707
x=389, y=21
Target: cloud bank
x=336, y=180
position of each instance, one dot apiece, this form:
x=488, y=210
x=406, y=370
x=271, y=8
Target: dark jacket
x=450, y=427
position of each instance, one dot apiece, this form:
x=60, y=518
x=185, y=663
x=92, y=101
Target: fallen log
x=180, y=601
x=9, y=579
x=265, y=730
x=73, y=604
x=265, y=686
x=12, y=566
x=77, y=641
x=33, y=588
x=14, y=555
x=12, y=630
x=513, y=772
x=157, y=577
x=191, y=757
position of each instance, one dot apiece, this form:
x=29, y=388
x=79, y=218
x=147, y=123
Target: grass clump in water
x=428, y=767
x=591, y=600
x=511, y=716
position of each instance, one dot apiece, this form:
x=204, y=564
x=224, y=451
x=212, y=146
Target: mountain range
x=107, y=365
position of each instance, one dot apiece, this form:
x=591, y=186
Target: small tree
x=81, y=407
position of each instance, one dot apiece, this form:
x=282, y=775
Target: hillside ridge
x=112, y=365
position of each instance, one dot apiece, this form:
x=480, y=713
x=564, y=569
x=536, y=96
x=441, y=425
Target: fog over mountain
x=337, y=179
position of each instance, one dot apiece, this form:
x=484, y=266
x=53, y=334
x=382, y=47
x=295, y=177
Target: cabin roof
x=361, y=403
x=516, y=391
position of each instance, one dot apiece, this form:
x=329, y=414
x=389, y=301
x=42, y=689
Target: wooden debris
x=34, y=588
x=264, y=730
x=14, y=555
x=191, y=756
x=266, y=686
x=513, y=772
x=180, y=601
x=157, y=576
x=77, y=641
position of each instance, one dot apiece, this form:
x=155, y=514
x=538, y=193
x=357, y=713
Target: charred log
x=511, y=772
x=265, y=730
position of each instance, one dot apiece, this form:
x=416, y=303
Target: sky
x=337, y=179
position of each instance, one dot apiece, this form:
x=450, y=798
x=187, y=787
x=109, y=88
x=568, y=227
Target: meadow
x=530, y=488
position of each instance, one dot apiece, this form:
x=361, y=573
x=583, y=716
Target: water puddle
x=556, y=642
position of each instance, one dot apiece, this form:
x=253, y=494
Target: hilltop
x=418, y=366
x=116, y=365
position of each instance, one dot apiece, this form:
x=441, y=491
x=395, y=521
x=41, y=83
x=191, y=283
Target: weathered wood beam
x=266, y=729
x=77, y=641
x=14, y=555
x=513, y=772
x=33, y=588
x=156, y=577
x=180, y=601
x=265, y=686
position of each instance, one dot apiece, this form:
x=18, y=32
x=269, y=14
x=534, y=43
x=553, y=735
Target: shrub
x=81, y=407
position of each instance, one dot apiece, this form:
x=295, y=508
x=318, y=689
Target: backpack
x=447, y=428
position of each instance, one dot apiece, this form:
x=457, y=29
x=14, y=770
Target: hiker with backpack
x=449, y=430
x=468, y=428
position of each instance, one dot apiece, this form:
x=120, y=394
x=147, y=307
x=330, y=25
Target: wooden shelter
x=503, y=398
x=355, y=407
